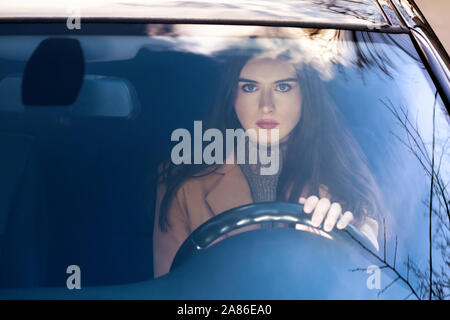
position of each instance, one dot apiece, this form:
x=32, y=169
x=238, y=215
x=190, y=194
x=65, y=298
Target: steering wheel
x=252, y=214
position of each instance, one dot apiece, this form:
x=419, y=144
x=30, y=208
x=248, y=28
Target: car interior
x=80, y=156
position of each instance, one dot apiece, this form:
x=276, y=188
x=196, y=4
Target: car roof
x=337, y=12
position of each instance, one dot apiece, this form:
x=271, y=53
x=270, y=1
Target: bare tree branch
x=387, y=287
x=386, y=264
x=395, y=254
x=430, y=234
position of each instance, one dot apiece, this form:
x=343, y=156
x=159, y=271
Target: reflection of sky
x=402, y=179
x=320, y=51
x=297, y=10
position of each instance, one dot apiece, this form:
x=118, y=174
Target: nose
x=266, y=101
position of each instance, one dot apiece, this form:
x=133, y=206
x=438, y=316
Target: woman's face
x=268, y=97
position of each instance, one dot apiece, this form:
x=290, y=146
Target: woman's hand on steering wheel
x=325, y=210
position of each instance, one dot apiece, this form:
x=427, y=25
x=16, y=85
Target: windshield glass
x=116, y=147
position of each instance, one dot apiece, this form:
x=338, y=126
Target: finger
x=332, y=217
x=310, y=204
x=320, y=211
x=302, y=200
x=346, y=218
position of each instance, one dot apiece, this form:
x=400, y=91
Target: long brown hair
x=321, y=150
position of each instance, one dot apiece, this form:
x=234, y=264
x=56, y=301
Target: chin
x=269, y=142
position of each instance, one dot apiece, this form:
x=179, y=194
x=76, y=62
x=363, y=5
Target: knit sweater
x=263, y=187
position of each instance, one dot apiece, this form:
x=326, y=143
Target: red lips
x=267, y=124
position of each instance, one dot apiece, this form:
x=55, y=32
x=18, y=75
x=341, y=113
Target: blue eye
x=249, y=87
x=284, y=87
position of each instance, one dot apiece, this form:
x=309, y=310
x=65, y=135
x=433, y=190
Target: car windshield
x=119, y=142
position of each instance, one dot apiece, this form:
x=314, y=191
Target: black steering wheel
x=252, y=214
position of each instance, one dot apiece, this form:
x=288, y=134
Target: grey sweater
x=263, y=187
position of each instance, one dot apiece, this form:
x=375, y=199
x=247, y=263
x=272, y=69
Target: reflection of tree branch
x=437, y=283
x=439, y=286
x=431, y=201
x=414, y=134
x=384, y=233
x=431, y=198
x=408, y=266
x=346, y=9
x=438, y=215
x=442, y=154
x=395, y=254
x=418, y=149
x=409, y=295
x=365, y=269
x=385, y=265
x=387, y=287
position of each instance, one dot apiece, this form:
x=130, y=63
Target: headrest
x=54, y=74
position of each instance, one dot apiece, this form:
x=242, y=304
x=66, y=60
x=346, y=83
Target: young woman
x=321, y=167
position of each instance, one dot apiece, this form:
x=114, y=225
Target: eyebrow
x=278, y=81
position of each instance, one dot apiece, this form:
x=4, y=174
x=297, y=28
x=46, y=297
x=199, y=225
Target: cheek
x=245, y=109
x=290, y=109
